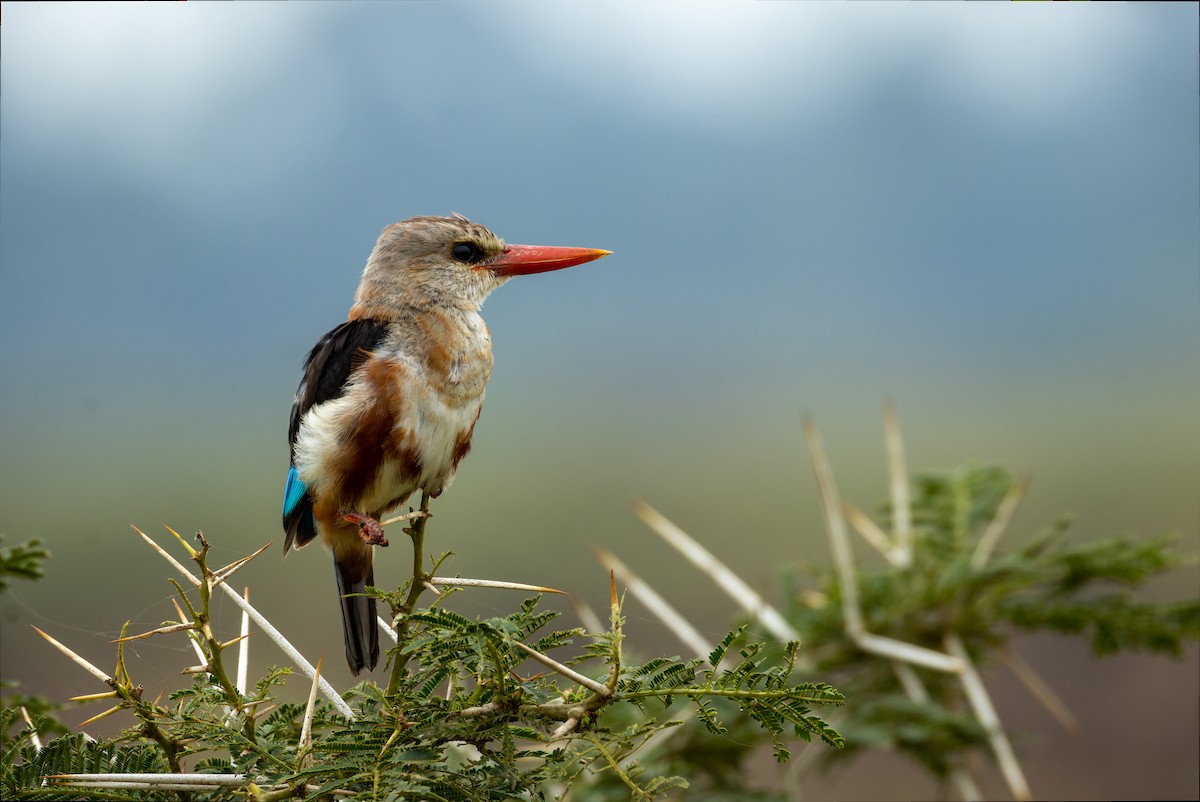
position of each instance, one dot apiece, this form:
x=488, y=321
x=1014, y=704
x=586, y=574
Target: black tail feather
x=358, y=620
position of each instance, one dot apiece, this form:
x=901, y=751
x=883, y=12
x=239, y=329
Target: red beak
x=521, y=260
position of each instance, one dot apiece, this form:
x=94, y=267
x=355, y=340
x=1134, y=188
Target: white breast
x=403, y=421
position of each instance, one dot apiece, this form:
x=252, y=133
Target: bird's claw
x=369, y=529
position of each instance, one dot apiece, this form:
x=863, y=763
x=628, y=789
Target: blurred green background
x=987, y=212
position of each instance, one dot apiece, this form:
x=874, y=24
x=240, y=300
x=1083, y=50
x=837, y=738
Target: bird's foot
x=369, y=529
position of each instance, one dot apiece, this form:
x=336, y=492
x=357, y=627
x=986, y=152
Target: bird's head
x=449, y=261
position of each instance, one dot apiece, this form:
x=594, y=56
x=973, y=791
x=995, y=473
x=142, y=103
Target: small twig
x=638, y=793
x=662, y=736
x=570, y=673
x=1040, y=690
x=408, y=516
x=309, y=710
x=193, y=636
x=105, y=714
x=298, y=659
x=386, y=628
x=79, y=661
x=995, y=529
x=243, y=666
x=566, y=728
x=222, y=574
x=875, y=536
x=915, y=690
x=33, y=735
x=192, y=552
x=657, y=605
x=616, y=625
x=910, y=653
x=910, y=681
x=160, y=785
x=839, y=539
x=727, y=580
x=843, y=558
x=188, y=781
x=491, y=583
x=131, y=698
x=586, y=615
x=985, y=712
x=481, y=710
x=264, y=625
x=231, y=641
x=95, y=697
x=166, y=555
x=160, y=631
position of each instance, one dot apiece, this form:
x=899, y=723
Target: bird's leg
x=369, y=529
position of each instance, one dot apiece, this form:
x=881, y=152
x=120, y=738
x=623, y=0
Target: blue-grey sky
x=988, y=212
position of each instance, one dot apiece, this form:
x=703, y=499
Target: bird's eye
x=467, y=252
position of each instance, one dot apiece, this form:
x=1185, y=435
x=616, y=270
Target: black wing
x=326, y=374
x=329, y=365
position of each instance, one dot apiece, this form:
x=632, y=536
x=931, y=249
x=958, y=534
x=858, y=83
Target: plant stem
x=216, y=664
x=417, y=532
x=638, y=793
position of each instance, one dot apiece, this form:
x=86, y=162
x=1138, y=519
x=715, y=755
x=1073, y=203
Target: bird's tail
x=358, y=614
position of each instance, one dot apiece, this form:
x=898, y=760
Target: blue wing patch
x=293, y=491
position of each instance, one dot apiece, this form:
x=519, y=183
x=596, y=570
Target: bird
x=388, y=400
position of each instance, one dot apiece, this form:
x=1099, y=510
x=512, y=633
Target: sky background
x=988, y=212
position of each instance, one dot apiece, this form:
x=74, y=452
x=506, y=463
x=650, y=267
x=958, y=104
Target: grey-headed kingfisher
x=389, y=399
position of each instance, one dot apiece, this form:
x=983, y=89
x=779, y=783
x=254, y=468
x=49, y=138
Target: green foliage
x=23, y=561
x=472, y=718
x=1087, y=589
x=41, y=711
x=24, y=768
x=1044, y=584
x=468, y=715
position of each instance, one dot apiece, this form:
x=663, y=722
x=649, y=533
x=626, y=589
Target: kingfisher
x=388, y=401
